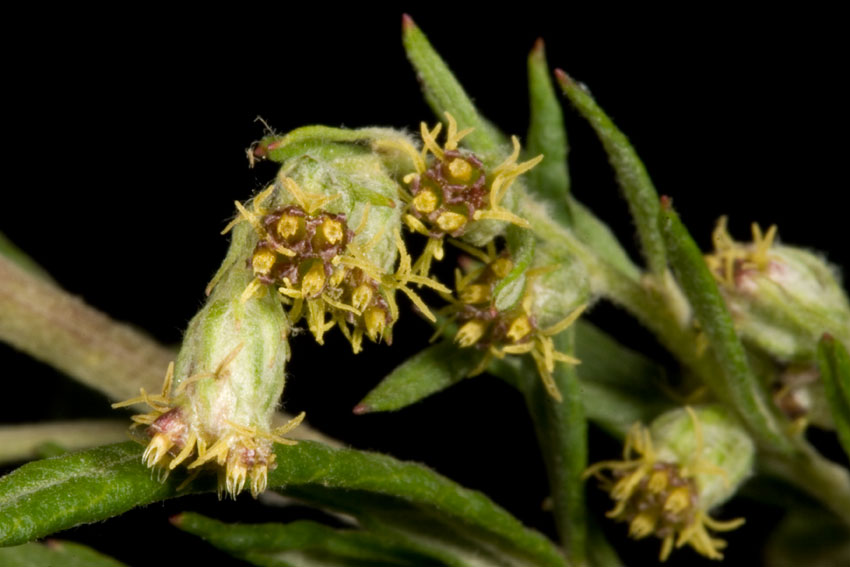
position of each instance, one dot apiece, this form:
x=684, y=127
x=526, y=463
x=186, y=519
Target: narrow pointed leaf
x=736, y=384
x=54, y=553
x=46, y=496
x=425, y=373
x=834, y=365
x=444, y=93
x=631, y=173
x=546, y=135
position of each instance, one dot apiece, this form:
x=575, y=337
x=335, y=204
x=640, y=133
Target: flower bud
x=216, y=406
x=673, y=473
x=782, y=298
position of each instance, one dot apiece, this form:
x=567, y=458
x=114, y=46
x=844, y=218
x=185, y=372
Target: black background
x=125, y=150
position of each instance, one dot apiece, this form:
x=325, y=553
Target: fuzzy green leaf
x=834, y=365
x=425, y=373
x=46, y=496
x=274, y=544
x=631, y=173
x=445, y=94
x=736, y=384
x=54, y=553
x=547, y=136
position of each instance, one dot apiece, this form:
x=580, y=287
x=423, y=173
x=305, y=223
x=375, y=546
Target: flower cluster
x=311, y=256
x=511, y=332
x=664, y=487
x=451, y=187
x=731, y=260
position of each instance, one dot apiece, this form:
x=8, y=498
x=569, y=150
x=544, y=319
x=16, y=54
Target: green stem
x=562, y=434
x=22, y=442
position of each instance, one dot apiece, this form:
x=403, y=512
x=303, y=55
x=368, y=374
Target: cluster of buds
x=674, y=472
x=217, y=401
x=514, y=331
x=452, y=188
x=782, y=299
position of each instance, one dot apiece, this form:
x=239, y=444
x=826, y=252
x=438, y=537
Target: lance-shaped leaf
x=54, y=553
x=834, y=365
x=425, y=373
x=736, y=383
x=46, y=496
x=278, y=544
x=445, y=94
x=631, y=173
x=547, y=135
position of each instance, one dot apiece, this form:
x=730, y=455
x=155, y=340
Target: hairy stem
x=53, y=326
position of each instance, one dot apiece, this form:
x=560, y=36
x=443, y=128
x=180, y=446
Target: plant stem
x=59, y=329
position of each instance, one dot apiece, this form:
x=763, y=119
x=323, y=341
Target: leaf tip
x=361, y=409
x=666, y=202
x=177, y=519
x=539, y=48
x=407, y=23
x=563, y=79
x=827, y=338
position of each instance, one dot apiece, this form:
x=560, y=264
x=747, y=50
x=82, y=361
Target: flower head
x=673, y=473
x=324, y=270
x=451, y=188
x=514, y=331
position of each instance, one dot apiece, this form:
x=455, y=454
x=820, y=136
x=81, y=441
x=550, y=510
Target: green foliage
x=54, y=552
x=834, y=365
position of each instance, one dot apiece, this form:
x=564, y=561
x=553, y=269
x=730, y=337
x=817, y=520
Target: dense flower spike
x=453, y=188
x=501, y=333
x=217, y=401
x=674, y=472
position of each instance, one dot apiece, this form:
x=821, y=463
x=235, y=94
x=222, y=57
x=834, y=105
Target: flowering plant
x=485, y=239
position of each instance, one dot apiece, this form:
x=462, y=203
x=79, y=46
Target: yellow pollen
x=460, y=169
x=361, y=297
x=519, y=329
x=332, y=231
x=470, y=333
x=642, y=525
x=657, y=482
x=450, y=222
x=376, y=321
x=425, y=201
x=475, y=293
x=263, y=262
x=288, y=226
x=501, y=267
x=678, y=500
x=314, y=280
x=337, y=276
